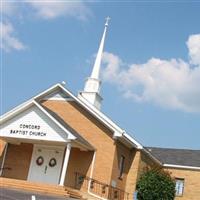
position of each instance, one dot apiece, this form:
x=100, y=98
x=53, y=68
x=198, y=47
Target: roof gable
x=56, y=90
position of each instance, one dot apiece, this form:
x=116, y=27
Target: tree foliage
x=156, y=184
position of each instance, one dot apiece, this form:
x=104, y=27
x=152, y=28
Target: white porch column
x=65, y=164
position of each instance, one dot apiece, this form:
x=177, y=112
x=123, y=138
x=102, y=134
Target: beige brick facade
x=132, y=176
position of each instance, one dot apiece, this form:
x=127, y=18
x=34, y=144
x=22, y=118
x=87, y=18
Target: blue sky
x=150, y=68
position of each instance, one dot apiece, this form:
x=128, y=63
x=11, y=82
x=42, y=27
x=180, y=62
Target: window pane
x=179, y=187
x=121, y=166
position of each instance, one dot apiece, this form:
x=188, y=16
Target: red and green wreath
x=40, y=161
x=52, y=162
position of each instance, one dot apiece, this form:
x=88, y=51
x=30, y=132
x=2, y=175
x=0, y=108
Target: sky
x=150, y=67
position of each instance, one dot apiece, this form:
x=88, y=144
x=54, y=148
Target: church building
x=62, y=144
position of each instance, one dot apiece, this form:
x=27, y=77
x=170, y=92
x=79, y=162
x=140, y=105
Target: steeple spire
x=97, y=64
x=92, y=85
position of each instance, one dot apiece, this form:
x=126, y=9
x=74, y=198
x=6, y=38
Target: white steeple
x=91, y=91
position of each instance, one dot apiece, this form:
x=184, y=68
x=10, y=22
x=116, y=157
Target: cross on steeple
x=107, y=20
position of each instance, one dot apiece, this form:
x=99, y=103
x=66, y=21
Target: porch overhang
x=84, y=146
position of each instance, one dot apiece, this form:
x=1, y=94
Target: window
x=179, y=186
x=121, y=166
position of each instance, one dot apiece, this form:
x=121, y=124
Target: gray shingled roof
x=184, y=157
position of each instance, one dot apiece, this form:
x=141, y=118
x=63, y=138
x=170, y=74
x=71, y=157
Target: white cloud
x=47, y=9
x=8, y=34
x=171, y=83
x=43, y=9
x=194, y=48
x=8, y=40
x=52, y=9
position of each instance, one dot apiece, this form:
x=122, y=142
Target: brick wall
x=132, y=176
x=18, y=158
x=120, y=150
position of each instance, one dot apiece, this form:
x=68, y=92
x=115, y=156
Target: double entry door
x=46, y=164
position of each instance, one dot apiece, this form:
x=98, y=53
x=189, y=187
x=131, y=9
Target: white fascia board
x=71, y=136
x=181, y=167
x=137, y=144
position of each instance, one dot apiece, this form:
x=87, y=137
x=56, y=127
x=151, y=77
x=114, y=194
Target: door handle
x=45, y=169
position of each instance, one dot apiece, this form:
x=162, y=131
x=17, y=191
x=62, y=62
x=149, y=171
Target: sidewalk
x=8, y=194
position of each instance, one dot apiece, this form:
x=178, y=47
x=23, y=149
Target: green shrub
x=156, y=184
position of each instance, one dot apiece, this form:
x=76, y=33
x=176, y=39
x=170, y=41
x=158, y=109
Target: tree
x=156, y=184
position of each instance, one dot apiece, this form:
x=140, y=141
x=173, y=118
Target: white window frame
x=180, y=183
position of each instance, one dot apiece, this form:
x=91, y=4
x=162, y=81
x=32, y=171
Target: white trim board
x=181, y=167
